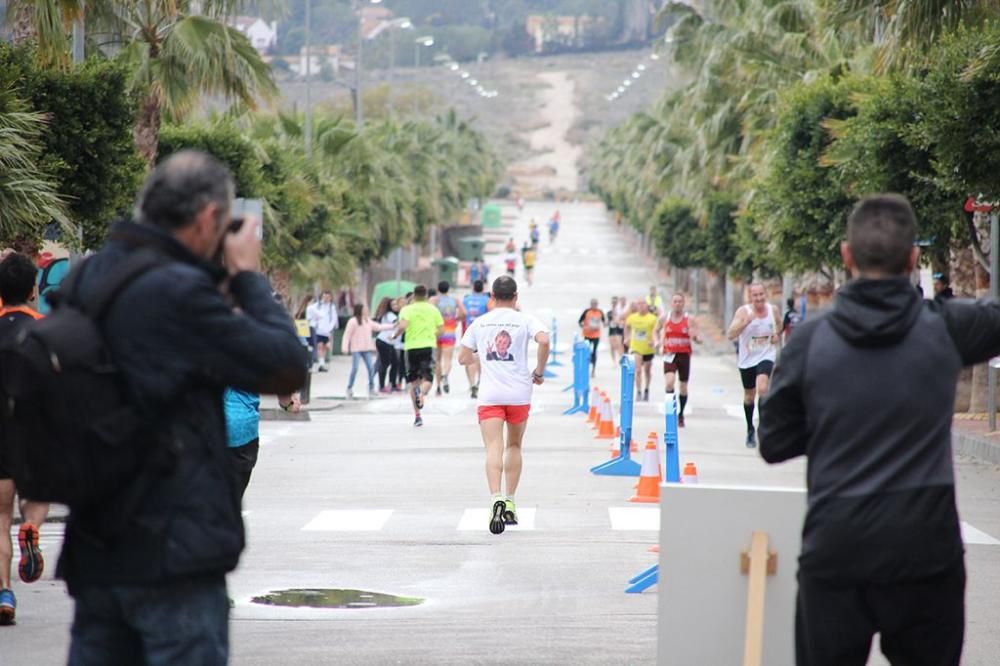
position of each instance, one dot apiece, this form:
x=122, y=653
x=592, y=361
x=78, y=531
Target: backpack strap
x=132, y=266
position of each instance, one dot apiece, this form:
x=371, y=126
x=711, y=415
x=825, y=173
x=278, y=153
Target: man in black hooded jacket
x=147, y=569
x=867, y=394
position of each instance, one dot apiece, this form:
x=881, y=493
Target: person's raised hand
x=241, y=249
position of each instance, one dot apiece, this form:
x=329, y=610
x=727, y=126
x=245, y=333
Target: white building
x=263, y=36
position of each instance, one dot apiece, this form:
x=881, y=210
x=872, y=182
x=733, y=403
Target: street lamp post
x=402, y=24
x=422, y=41
x=358, y=66
x=309, y=120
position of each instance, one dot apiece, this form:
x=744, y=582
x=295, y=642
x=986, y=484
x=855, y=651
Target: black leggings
x=593, y=350
x=388, y=361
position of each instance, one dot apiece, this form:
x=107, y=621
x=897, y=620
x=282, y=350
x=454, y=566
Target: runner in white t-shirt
x=500, y=340
x=757, y=329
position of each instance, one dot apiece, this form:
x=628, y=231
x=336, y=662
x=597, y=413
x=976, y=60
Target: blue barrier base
x=568, y=388
x=554, y=362
x=548, y=374
x=644, y=580
x=620, y=466
x=577, y=410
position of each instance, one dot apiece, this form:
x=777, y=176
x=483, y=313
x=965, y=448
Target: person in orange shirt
x=18, y=275
x=592, y=321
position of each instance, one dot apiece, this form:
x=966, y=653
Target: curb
x=980, y=448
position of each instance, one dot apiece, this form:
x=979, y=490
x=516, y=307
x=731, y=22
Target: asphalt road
x=358, y=498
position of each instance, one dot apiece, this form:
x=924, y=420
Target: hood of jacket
x=876, y=313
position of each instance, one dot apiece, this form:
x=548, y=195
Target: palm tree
x=904, y=30
x=28, y=199
x=178, y=51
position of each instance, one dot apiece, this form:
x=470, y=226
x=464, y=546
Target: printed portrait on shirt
x=500, y=349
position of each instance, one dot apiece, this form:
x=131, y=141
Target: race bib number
x=760, y=343
x=639, y=334
x=594, y=322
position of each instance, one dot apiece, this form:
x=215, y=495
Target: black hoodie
x=867, y=393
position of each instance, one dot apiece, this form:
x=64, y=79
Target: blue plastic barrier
x=572, y=386
x=672, y=464
x=581, y=379
x=554, y=354
x=644, y=580
x=623, y=465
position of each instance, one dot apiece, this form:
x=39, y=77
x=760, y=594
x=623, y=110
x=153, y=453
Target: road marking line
x=634, y=518
x=349, y=520
x=478, y=520
x=971, y=535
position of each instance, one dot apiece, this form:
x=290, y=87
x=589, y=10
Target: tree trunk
x=23, y=29
x=146, y=133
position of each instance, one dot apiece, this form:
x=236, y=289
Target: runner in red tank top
x=675, y=332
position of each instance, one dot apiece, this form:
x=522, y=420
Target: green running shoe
x=497, y=517
x=509, y=512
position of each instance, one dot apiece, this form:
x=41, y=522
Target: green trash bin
x=471, y=248
x=491, y=217
x=447, y=269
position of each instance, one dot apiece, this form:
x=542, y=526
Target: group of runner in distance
x=645, y=329
x=494, y=349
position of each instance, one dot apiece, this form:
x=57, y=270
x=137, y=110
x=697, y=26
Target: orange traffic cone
x=690, y=473
x=649, y=477
x=616, y=445
x=651, y=440
x=606, y=428
x=599, y=403
x=595, y=397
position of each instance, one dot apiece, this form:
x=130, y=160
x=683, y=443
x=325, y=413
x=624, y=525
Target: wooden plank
x=753, y=646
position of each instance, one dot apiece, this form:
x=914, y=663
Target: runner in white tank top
x=756, y=329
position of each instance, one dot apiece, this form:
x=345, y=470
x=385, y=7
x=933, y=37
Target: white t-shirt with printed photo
x=500, y=338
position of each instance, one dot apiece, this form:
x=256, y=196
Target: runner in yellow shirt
x=640, y=327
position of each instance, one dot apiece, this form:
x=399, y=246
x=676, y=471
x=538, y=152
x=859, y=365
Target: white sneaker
x=349, y=394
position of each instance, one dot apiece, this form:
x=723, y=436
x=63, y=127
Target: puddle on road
x=328, y=598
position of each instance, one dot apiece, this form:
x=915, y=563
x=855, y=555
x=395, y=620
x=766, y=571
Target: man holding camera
x=147, y=569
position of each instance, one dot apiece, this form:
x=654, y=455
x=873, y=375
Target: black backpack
x=65, y=418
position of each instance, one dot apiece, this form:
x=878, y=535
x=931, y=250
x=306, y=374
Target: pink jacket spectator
x=359, y=337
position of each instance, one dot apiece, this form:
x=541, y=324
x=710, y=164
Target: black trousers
x=921, y=622
x=244, y=459
x=389, y=361
x=594, y=342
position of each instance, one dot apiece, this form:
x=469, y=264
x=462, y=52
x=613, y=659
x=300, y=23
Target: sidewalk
x=970, y=437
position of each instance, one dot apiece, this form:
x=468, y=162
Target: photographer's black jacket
x=178, y=343
x=867, y=393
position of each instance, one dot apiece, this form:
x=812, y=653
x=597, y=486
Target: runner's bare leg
x=513, y=460
x=492, y=431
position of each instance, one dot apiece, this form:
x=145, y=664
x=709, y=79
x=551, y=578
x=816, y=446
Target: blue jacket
x=178, y=343
x=242, y=410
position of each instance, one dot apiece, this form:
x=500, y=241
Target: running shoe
x=444, y=385
x=474, y=391
x=645, y=395
x=349, y=395
x=322, y=368
x=509, y=512
x=497, y=522
x=751, y=438
x=32, y=563
x=418, y=421
x=384, y=390
x=680, y=420
x=438, y=390
x=7, y=606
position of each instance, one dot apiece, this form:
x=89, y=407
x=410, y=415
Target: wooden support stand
x=758, y=563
